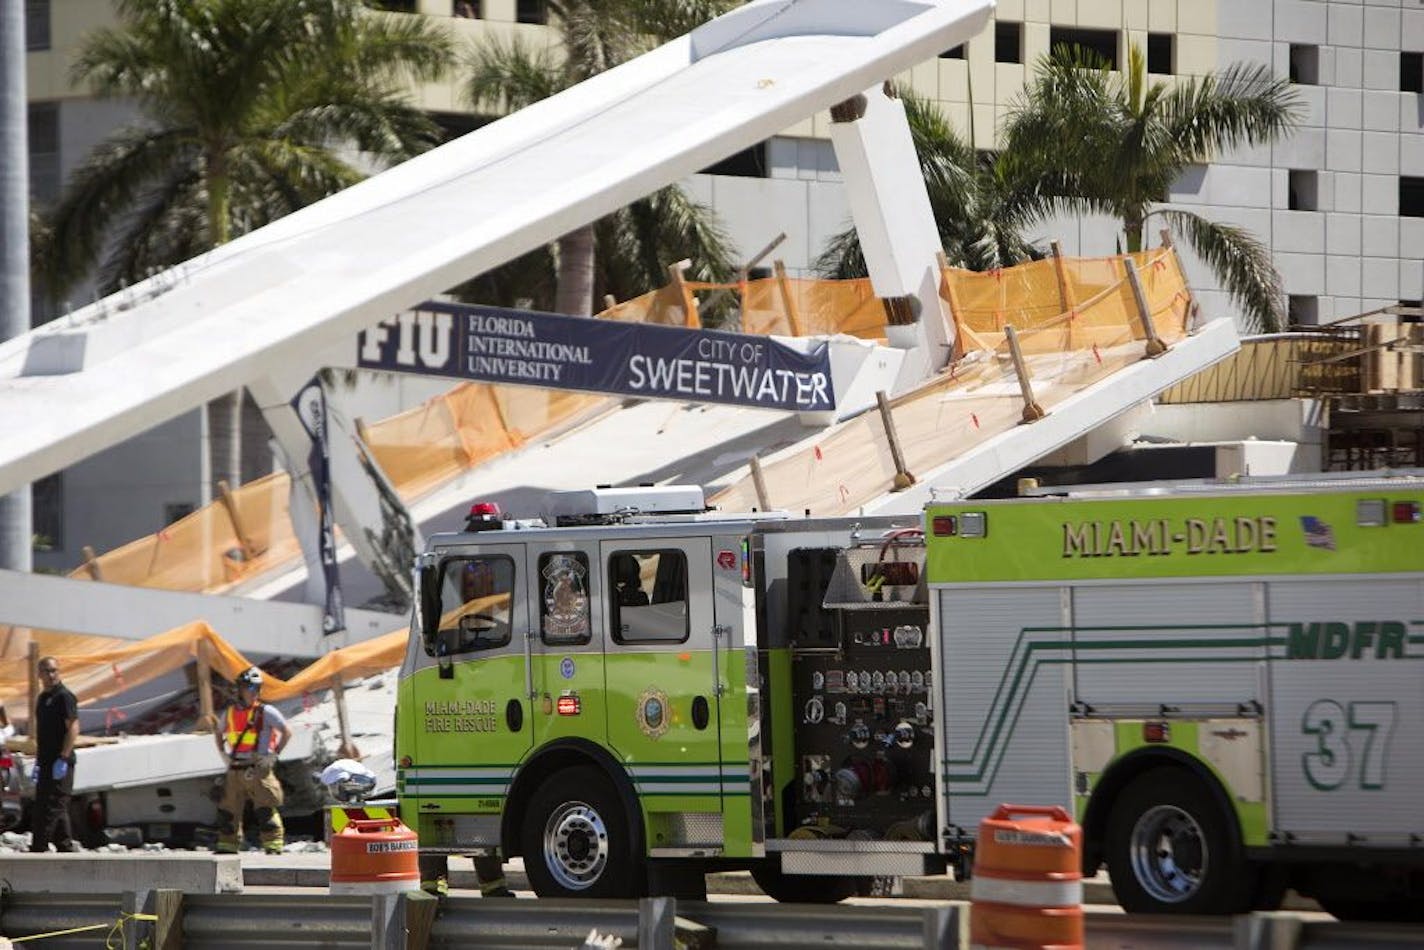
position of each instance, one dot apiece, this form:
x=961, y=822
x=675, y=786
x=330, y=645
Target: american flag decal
x=1318, y=534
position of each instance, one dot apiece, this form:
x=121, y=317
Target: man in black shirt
x=56, y=729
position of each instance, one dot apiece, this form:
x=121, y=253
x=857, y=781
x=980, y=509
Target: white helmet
x=250, y=677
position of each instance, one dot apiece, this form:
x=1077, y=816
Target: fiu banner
x=526, y=347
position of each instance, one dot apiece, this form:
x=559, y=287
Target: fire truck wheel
x=1170, y=850
x=577, y=842
x=805, y=888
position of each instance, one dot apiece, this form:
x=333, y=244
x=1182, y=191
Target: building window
x=957, y=52
x=1303, y=190
x=1303, y=311
x=1160, y=57
x=1305, y=64
x=647, y=596
x=1008, y=42
x=43, y=129
x=1411, y=197
x=47, y=512
x=748, y=163
x=1411, y=72
x=531, y=11
x=37, y=24
x=1101, y=43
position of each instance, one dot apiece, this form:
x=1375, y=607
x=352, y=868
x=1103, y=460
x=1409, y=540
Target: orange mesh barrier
x=99, y=668
x=978, y=396
x=472, y=423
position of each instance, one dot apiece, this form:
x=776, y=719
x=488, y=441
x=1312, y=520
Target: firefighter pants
x=435, y=876
x=256, y=784
x=50, y=821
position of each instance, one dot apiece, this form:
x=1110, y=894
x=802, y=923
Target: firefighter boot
x=229, y=834
x=270, y=830
x=490, y=872
x=435, y=875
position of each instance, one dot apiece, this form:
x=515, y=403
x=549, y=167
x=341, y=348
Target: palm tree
x=597, y=35
x=1088, y=139
x=979, y=216
x=246, y=108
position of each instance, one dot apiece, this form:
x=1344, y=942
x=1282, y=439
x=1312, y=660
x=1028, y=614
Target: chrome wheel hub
x=575, y=845
x=1169, y=856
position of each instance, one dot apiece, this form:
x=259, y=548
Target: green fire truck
x=1219, y=678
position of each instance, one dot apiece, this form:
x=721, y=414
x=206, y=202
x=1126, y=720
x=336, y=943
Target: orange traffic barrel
x=374, y=856
x=1027, y=888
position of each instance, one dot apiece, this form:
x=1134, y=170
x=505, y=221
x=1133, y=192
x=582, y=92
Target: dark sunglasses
x=49, y=669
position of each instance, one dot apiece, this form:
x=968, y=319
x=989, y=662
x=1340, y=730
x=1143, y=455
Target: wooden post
x=207, y=720
x=420, y=909
x=91, y=563
x=168, y=928
x=952, y=300
x=1155, y=346
x=689, y=302
x=1032, y=410
x=759, y=483
x=1060, y=268
x=903, y=478
x=230, y=503
x=34, y=658
x=1193, y=309
x=347, y=749
x=788, y=299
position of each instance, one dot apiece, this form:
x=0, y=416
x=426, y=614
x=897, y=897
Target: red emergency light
x=483, y=515
x=1405, y=512
x=569, y=706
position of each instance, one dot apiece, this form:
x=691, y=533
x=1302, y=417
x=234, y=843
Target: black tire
x=1172, y=850
x=805, y=888
x=577, y=839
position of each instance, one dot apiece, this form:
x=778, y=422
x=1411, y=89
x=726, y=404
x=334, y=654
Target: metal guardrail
x=396, y=922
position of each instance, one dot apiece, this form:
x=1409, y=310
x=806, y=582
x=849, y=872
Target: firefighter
x=253, y=735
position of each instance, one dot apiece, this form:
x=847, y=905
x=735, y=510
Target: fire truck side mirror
x=428, y=578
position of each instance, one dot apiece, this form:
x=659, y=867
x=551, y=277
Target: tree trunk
x=574, y=294
x=1132, y=226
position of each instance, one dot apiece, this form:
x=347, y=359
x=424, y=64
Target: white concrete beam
x=47, y=602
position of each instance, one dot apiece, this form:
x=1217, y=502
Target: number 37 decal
x=1351, y=743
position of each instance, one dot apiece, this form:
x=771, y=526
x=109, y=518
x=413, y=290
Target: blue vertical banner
x=310, y=406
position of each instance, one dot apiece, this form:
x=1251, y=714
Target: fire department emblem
x=565, y=597
x=653, y=712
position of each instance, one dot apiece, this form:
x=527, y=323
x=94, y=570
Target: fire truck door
x=473, y=717
x=566, y=649
x=662, y=673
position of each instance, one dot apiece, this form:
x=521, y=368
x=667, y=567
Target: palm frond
x=1241, y=105
x=99, y=192
x=1240, y=262
x=511, y=74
